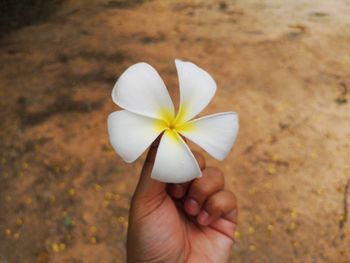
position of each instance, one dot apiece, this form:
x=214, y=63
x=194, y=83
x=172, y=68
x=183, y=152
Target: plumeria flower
x=149, y=112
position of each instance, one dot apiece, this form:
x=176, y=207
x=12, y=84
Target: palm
x=175, y=237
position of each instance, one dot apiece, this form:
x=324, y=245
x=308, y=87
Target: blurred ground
x=284, y=66
x=16, y=14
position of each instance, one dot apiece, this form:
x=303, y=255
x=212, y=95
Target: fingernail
x=192, y=207
x=203, y=218
x=177, y=191
x=232, y=215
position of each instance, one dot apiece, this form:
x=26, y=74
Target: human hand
x=192, y=222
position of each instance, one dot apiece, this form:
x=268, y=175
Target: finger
x=148, y=187
x=178, y=191
x=224, y=226
x=200, y=159
x=232, y=215
x=212, y=181
x=220, y=204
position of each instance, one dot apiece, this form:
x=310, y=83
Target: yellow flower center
x=174, y=124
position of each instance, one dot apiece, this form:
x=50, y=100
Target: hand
x=192, y=222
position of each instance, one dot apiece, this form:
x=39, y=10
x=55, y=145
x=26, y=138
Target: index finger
x=178, y=191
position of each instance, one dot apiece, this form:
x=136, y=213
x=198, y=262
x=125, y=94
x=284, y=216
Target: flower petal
x=131, y=134
x=197, y=88
x=214, y=133
x=141, y=90
x=174, y=162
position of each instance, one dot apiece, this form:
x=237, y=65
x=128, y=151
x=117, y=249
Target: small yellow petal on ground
x=93, y=240
x=251, y=230
x=98, y=187
x=93, y=229
x=71, y=191
x=275, y=158
x=55, y=247
x=66, y=168
x=272, y=169
x=121, y=219
x=58, y=247
x=253, y=190
x=296, y=244
x=237, y=235
x=108, y=196
x=19, y=221
x=252, y=247
x=8, y=232
x=340, y=189
x=61, y=246
x=125, y=224
x=116, y=197
x=269, y=227
x=294, y=213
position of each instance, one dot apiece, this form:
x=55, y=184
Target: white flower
x=149, y=111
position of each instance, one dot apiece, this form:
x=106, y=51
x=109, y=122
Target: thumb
x=148, y=187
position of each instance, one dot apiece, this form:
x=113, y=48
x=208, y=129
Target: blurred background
x=284, y=66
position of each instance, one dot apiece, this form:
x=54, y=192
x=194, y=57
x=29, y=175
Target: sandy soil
x=283, y=66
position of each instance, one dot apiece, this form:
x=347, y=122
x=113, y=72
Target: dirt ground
x=283, y=66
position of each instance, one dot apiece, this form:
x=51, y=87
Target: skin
x=191, y=222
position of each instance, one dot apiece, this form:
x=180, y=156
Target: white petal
x=174, y=162
x=141, y=90
x=214, y=133
x=197, y=88
x=131, y=134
